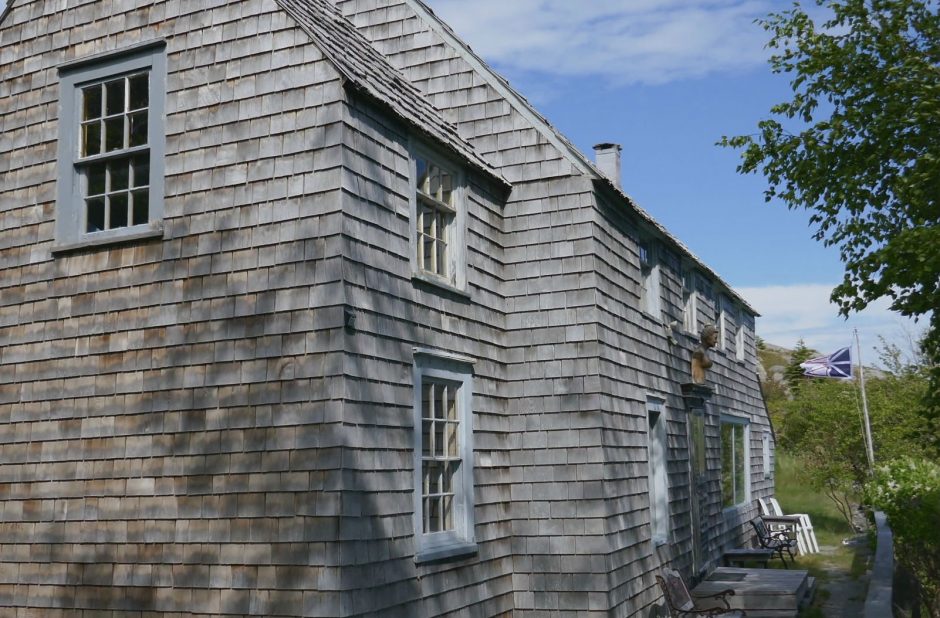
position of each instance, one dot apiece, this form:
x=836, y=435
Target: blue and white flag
x=836, y=365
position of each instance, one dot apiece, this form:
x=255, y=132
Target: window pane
x=141, y=169
x=439, y=442
x=447, y=512
x=120, y=175
x=452, y=440
x=114, y=134
x=427, y=430
x=118, y=210
x=447, y=188
x=434, y=515
x=139, y=97
x=435, y=179
x=421, y=167
x=96, y=179
x=91, y=139
x=141, y=207
x=115, y=96
x=138, y=129
x=94, y=215
x=91, y=102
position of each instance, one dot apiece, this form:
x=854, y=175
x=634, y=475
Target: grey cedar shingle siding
x=186, y=428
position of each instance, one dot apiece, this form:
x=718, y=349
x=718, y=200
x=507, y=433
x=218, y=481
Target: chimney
x=607, y=158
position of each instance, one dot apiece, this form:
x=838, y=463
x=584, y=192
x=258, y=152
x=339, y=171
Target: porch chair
x=791, y=524
x=681, y=602
x=777, y=542
x=805, y=523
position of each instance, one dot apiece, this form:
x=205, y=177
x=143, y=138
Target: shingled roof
x=369, y=72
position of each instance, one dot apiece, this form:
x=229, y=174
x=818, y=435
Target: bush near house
x=908, y=491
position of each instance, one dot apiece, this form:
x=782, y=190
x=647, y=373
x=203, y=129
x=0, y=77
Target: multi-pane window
x=443, y=457
x=734, y=461
x=115, y=159
x=440, y=453
x=111, y=143
x=658, y=477
x=436, y=219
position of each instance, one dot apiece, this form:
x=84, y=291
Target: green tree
x=793, y=374
x=858, y=146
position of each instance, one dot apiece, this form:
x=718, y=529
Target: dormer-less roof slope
x=369, y=72
x=553, y=136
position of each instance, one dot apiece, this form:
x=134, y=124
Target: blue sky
x=667, y=79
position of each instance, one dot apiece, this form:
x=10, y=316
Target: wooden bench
x=738, y=557
x=775, y=542
x=682, y=604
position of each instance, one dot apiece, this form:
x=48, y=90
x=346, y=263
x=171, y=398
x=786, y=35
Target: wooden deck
x=762, y=593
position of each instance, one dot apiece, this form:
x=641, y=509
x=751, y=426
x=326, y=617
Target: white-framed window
x=735, y=455
x=765, y=452
x=689, y=304
x=111, y=146
x=650, y=292
x=438, y=220
x=740, y=341
x=443, y=456
x=657, y=450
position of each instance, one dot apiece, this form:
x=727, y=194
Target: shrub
x=908, y=491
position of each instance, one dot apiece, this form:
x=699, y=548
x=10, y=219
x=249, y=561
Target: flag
x=836, y=365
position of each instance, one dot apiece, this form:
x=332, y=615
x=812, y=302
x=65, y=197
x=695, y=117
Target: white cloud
x=791, y=312
x=623, y=41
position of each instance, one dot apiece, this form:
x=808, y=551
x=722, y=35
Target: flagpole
x=861, y=378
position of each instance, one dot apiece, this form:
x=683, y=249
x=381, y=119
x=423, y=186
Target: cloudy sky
x=667, y=79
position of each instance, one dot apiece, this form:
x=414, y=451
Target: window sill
x=446, y=552
x=109, y=240
x=439, y=283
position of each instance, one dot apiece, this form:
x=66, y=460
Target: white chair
x=791, y=524
x=805, y=523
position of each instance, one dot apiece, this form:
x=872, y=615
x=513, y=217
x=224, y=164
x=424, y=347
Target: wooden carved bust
x=700, y=360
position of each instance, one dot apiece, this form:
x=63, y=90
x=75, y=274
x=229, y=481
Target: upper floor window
x=740, y=350
x=111, y=143
x=689, y=304
x=439, y=221
x=650, y=292
x=443, y=457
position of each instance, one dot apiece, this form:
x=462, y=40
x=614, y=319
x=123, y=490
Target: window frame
x=744, y=424
x=456, y=279
x=446, y=367
x=657, y=449
x=767, y=456
x=70, y=224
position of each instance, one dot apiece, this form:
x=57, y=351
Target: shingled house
x=304, y=311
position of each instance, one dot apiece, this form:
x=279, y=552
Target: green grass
x=796, y=496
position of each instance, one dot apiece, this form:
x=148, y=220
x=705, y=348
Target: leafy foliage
x=858, y=146
x=908, y=491
x=793, y=374
x=821, y=423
